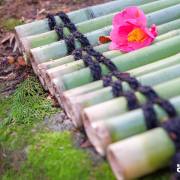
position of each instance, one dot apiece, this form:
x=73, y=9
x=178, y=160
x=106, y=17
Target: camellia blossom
x=130, y=31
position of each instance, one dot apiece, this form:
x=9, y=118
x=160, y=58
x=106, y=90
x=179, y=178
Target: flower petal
x=132, y=12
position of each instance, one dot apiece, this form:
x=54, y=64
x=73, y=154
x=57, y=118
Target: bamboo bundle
x=51, y=69
x=58, y=49
x=124, y=63
x=59, y=71
x=43, y=39
x=93, y=39
x=50, y=37
x=142, y=154
x=137, y=71
x=162, y=29
x=105, y=131
x=44, y=67
x=74, y=104
x=78, y=16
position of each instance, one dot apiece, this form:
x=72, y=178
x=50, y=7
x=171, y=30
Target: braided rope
x=92, y=58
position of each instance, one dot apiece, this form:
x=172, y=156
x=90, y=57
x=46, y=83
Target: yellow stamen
x=136, y=35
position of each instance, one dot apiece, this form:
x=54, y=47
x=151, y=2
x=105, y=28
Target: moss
x=10, y=24
x=53, y=156
x=18, y=114
x=49, y=155
x=5, y=106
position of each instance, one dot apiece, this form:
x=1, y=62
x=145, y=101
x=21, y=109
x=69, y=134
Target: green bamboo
x=50, y=37
x=68, y=59
x=97, y=85
x=92, y=36
x=140, y=155
x=125, y=62
x=41, y=69
x=78, y=16
x=131, y=123
x=74, y=105
x=59, y=71
x=162, y=29
x=58, y=49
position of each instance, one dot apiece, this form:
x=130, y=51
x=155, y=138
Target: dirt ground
x=12, y=12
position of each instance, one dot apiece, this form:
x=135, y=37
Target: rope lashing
x=51, y=21
x=172, y=127
x=85, y=45
x=92, y=59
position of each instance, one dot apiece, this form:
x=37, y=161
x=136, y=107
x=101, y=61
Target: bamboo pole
x=125, y=125
x=69, y=68
x=131, y=123
x=43, y=39
x=59, y=71
x=124, y=62
x=141, y=155
x=45, y=70
x=77, y=16
x=74, y=104
x=42, y=69
x=58, y=49
x=162, y=29
x=137, y=71
x=51, y=36
x=93, y=37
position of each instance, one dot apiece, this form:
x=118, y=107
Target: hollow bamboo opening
x=98, y=134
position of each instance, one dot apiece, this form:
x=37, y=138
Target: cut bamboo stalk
x=124, y=63
x=137, y=71
x=75, y=66
x=92, y=36
x=130, y=123
x=69, y=68
x=74, y=105
x=162, y=29
x=51, y=36
x=58, y=49
x=42, y=68
x=77, y=16
x=127, y=61
x=68, y=59
x=140, y=155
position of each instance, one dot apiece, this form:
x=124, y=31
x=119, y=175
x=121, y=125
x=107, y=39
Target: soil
x=12, y=72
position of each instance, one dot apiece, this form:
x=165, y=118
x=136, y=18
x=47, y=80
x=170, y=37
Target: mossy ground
x=10, y=23
x=29, y=150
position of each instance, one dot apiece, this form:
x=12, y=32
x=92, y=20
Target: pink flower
x=130, y=30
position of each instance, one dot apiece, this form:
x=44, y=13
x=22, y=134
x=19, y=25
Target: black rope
x=51, y=21
x=150, y=116
x=92, y=58
x=148, y=110
x=94, y=66
x=172, y=126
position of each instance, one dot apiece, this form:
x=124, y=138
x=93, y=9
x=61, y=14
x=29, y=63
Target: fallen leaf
x=104, y=39
x=21, y=61
x=10, y=59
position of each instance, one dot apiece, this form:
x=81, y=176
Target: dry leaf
x=21, y=61
x=104, y=39
x=10, y=59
